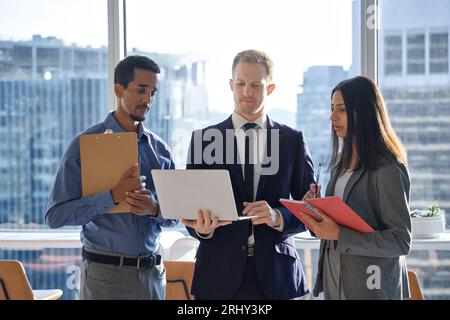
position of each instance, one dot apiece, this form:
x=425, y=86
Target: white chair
x=184, y=249
x=167, y=239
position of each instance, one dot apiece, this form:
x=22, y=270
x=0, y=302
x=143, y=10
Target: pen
x=316, y=195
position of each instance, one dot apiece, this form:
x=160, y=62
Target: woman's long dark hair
x=367, y=122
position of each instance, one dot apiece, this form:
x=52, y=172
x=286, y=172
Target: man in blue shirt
x=121, y=255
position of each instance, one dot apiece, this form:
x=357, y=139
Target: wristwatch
x=155, y=204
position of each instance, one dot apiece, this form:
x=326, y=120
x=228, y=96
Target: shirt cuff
x=208, y=236
x=103, y=202
x=344, y=244
x=158, y=218
x=281, y=226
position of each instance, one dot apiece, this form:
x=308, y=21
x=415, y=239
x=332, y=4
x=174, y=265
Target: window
x=53, y=85
x=439, y=52
x=393, y=55
x=415, y=53
x=419, y=107
x=50, y=268
x=196, y=51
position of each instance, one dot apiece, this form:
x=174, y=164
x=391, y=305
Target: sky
x=295, y=33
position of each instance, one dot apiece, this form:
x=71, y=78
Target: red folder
x=333, y=207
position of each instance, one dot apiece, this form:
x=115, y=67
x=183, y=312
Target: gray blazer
x=381, y=198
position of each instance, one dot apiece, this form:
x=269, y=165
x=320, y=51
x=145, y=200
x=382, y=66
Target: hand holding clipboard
x=105, y=158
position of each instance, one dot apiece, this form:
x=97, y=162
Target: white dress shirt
x=258, y=153
x=259, y=147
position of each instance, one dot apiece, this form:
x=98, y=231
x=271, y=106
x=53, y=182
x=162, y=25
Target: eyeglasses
x=143, y=90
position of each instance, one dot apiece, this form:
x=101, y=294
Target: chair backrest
x=414, y=287
x=184, y=249
x=179, y=279
x=14, y=283
x=166, y=240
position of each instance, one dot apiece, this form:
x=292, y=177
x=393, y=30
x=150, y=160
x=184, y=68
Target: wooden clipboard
x=104, y=159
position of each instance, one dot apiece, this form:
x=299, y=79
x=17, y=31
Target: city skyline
x=280, y=30
x=53, y=109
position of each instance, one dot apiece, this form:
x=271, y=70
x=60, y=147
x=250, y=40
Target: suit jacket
x=221, y=260
x=381, y=198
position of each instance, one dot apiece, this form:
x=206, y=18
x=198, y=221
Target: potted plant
x=429, y=223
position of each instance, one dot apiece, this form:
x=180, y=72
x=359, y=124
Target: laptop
x=182, y=192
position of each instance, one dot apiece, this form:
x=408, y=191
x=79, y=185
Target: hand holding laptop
x=205, y=223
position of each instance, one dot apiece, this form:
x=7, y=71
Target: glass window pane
x=310, y=43
x=439, y=52
x=53, y=84
x=393, y=55
x=419, y=107
x=416, y=54
x=50, y=268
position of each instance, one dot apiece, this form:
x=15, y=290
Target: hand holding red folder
x=334, y=207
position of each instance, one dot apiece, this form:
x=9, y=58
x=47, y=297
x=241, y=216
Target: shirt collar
x=111, y=123
x=239, y=121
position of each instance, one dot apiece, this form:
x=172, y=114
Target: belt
x=148, y=261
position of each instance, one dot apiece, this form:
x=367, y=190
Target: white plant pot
x=428, y=227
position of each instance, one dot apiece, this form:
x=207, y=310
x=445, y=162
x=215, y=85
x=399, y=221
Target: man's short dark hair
x=124, y=71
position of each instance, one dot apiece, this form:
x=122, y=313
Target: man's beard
x=139, y=118
x=136, y=118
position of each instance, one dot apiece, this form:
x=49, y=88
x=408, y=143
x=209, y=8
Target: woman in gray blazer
x=369, y=173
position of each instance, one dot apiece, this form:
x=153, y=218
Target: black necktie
x=248, y=166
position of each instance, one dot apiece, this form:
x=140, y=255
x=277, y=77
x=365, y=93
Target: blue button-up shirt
x=123, y=233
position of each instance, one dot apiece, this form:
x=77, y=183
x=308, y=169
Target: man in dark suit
x=254, y=258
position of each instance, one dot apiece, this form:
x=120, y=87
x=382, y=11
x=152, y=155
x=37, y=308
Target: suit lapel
x=330, y=187
x=351, y=182
x=348, y=187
